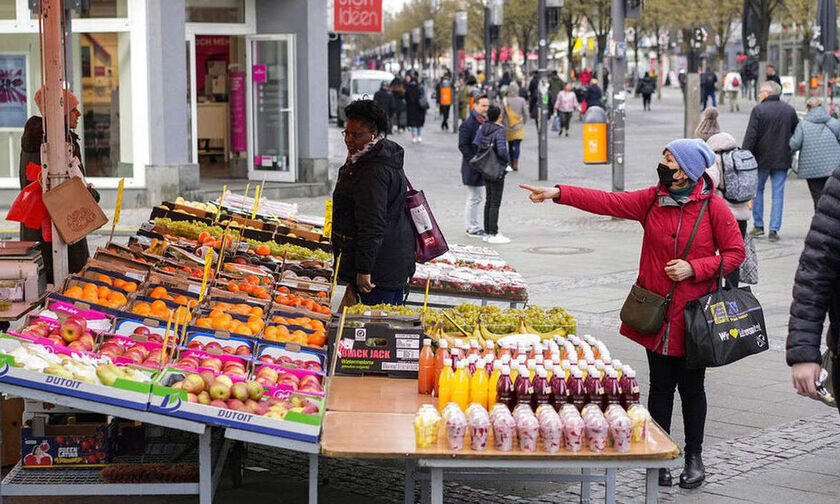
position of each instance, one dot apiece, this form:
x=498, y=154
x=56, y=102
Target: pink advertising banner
x=260, y=74
x=237, y=112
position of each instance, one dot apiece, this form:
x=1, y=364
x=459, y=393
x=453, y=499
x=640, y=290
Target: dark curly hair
x=368, y=111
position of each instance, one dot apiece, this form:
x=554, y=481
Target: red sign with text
x=358, y=16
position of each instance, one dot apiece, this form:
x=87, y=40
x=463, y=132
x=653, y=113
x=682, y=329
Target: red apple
x=266, y=358
x=73, y=328
x=142, y=331
x=218, y=403
x=195, y=345
x=243, y=350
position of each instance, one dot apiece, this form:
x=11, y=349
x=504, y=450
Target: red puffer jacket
x=667, y=229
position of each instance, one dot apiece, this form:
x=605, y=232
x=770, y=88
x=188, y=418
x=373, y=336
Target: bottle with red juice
x=630, y=389
x=612, y=390
x=577, y=389
x=505, y=392
x=524, y=387
x=542, y=390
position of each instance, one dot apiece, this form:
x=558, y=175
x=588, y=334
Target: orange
x=270, y=333
x=91, y=297
x=283, y=289
x=263, y=250
x=158, y=292
x=182, y=314
x=118, y=282
x=117, y=297
x=317, y=339
x=316, y=324
x=243, y=308
x=232, y=287
x=255, y=327
x=90, y=287
x=159, y=305
x=142, y=309
x=216, y=313
x=104, y=279
x=256, y=311
x=103, y=291
x=192, y=303
x=244, y=330
x=204, y=322
x=130, y=287
x=182, y=299
x=74, y=292
x=321, y=294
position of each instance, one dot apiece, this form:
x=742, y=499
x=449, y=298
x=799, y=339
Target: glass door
x=271, y=115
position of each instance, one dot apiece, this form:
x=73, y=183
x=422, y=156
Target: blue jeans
x=708, y=93
x=417, y=130
x=387, y=296
x=514, y=148
x=777, y=179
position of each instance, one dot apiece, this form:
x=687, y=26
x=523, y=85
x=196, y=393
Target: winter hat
x=693, y=155
x=70, y=100
x=709, y=125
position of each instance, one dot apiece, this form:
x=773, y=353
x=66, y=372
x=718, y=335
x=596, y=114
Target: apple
x=225, y=380
x=235, y=404
x=195, y=345
x=77, y=345
x=179, y=385
x=243, y=350
x=157, y=338
x=204, y=397
x=193, y=383
x=310, y=409
x=228, y=350
x=213, y=345
x=218, y=403
x=262, y=408
x=284, y=358
x=266, y=358
x=255, y=390
x=268, y=372
x=73, y=328
x=220, y=391
x=212, y=363
x=142, y=331
x=208, y=378
x=240, y=391
x=192, y=397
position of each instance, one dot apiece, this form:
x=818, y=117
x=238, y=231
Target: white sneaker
x=498, y=239
x=486, y=237
x=419, y=139
x=414, y=140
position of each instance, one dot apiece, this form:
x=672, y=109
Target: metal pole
x=455, y=105
x=55, y=163
x=618, y=96
x=543, y=72
x=486, y=45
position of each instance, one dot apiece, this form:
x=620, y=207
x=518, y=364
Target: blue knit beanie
x=693, y=155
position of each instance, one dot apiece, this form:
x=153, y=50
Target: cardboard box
x=378, y=348
x=60, y=446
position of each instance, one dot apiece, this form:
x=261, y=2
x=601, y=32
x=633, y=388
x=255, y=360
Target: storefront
x=245, y=100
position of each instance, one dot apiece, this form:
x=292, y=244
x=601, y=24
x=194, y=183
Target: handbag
x=749, y=268
x=429, y=242
x=723, y=326
x=644, y=310
x=488, y=163
x=74, y=210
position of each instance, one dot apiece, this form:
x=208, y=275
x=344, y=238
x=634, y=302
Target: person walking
x=371, y=230
x=416, y=106
x=708, y=81
x=385, y=99
x=443, y=95
x=565, y=105
x=514, y=119
x=732, y=88
x=593, y=94
x=472, y=179
x=772, y=76
x=815, y=293
x=647, y=85
x=771, y=125
x=492, y=132
x=534, y=98
x=708, y=124
x=668, y=212
x=721, y=143
x=555, y=83
x=817, y=138
x=398, y=93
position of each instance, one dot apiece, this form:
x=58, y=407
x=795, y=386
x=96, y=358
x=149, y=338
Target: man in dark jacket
x=816, y=291
x=385, y=100
x=593, y=94
x=772, y=76
x=371, y=231
x=708, y=80
x=469, y=177
x=771, y=125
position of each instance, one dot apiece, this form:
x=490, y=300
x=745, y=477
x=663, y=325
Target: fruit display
x=483, y=281
x=160, y=310
x=96, y=294
x=282, y=333
x=240, y=324
x=231, y=365
x=213, y=346
x=191, y=229
x=160, y=292
x=290, y=251
x=286, y=298
x=207, y=207
x=287, y=362
x=270, y=377
x=240, y=308
x=252, y=285
x=119, y=283
x=386, y=309
x=126, y=350
x=72, y=333
x=222, y=392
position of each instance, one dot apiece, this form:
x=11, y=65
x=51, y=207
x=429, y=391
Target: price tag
x=195, y=289
x=119, y=201
x=256, y=203
x=136, y=276
x=208, y=260
x=221, y=201
x=328, y=212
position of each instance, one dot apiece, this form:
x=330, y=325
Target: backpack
x=706, y=79
x=740, y=175
x=735, y=82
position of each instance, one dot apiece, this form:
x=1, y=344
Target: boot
x=665, y=478
x=514, y=163
x=694, y=473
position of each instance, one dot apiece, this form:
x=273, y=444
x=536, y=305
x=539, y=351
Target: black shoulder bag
x=644, y=310
x=487, y=162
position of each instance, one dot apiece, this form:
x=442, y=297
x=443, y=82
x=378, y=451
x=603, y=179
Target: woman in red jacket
x=668, y=212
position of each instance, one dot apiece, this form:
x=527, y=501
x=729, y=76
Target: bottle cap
x=539, y=358
x=514, y=364
x=542, y=373
x=617, y=364
x=532, y=363
x=461, y=364
x=577, y=373
x=599, y=364
x=497, y=364
x=472, y=358
x=506, y=358
x=447, y=361
x=427, y=342
x=506, y=370
x=565, y=364
x=521, y=358
x=630, y=373
x=443, y=343
x=548, y=365
x=612, y=373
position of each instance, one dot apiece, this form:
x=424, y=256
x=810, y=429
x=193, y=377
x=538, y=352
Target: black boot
x=665, y=478
x=694, y=473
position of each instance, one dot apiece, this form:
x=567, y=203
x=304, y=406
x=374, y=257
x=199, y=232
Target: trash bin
x=595, y=144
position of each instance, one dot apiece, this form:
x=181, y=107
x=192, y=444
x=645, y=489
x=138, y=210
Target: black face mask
x=666, y=175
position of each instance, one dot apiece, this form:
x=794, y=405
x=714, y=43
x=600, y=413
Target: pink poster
x=260, y=74
x=237, y=112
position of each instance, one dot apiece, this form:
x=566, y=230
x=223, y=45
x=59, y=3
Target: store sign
x=358, y=16
x=12, y=90
x=260, y=73
x=237, y=112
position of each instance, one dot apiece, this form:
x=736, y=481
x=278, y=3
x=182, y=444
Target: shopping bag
x=749, y=268
x=429, y=242
x=555, y=124
x=487, y=162
x=723, y=327
x=73, y=210
x=28, y=208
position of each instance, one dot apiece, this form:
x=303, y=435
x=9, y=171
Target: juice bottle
x=426, y=369
x=504, y=389
x=630, y=390
x=559, y=391
x=594, y=387
x=461, y=386
x=489, y=348
x=532, y=369
x=602, y=369
x=577, y=389
x=441, y=355
x=488, y=364
x=566, y=366
x=619, y=367
x=514, y=370
x=583, y=365
x=471, y=363
x=493, y=382
x=474, y=348
x=542, y=390
x=612, y=392
x=524, y=387
x=549, y=370
x=478, y=384
x=447, y=376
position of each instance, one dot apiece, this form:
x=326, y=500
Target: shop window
x=215, y=11
x=7, y=9
x=100, y=9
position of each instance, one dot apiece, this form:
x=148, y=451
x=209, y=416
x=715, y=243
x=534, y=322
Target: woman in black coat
x=416, y=107
x=492, y=132
x=371, y=230
x=816, y=291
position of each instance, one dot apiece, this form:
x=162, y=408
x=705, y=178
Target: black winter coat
x=466, y=135
x=816, y=289
x=771, y=125
x=416, y=113
x=593, y=96
x=371, y=229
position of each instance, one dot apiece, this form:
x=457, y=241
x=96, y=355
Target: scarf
x=352, y=158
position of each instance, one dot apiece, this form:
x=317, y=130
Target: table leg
x=609, y=485
x=313, y=478
x=436, y=485
x=652, y=487
x=410, y=468
x=584, y=486
x=425, y=491
x=205, y=467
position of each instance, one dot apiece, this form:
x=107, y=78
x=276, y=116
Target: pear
x=56, y=370
x=107, y=374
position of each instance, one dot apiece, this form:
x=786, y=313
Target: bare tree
x=571, y=17
x=597, y=14
x=801, y=15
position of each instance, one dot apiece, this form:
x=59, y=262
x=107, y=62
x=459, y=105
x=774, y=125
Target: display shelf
x=483, y=299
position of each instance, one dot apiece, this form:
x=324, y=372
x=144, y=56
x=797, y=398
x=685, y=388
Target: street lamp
x=406, y=42
x=459, y=34
x=415, y=44
x=493, y=18
x=428, y=38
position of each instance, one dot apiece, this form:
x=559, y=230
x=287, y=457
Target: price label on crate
x=328, y=213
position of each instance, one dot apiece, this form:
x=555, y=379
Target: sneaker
x=414, y=140
x=498, y=238
x=757, y=231
x=567, y=133
x=477, y=234
x=773, y=236
x=419, y=139
x=508, y=169
x=487, y=237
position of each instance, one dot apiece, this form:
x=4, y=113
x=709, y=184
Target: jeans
x=514, y=149
x=565, y=120
x=417, y=130
x=492, y=204
x=815, y=185
x=734, y=278
x=708, y=93
x=732, y=97
x=646, y=101
x=378, y=295
x=777, y=178
x=475, y=196
x=444, y=113
x=667, y=374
